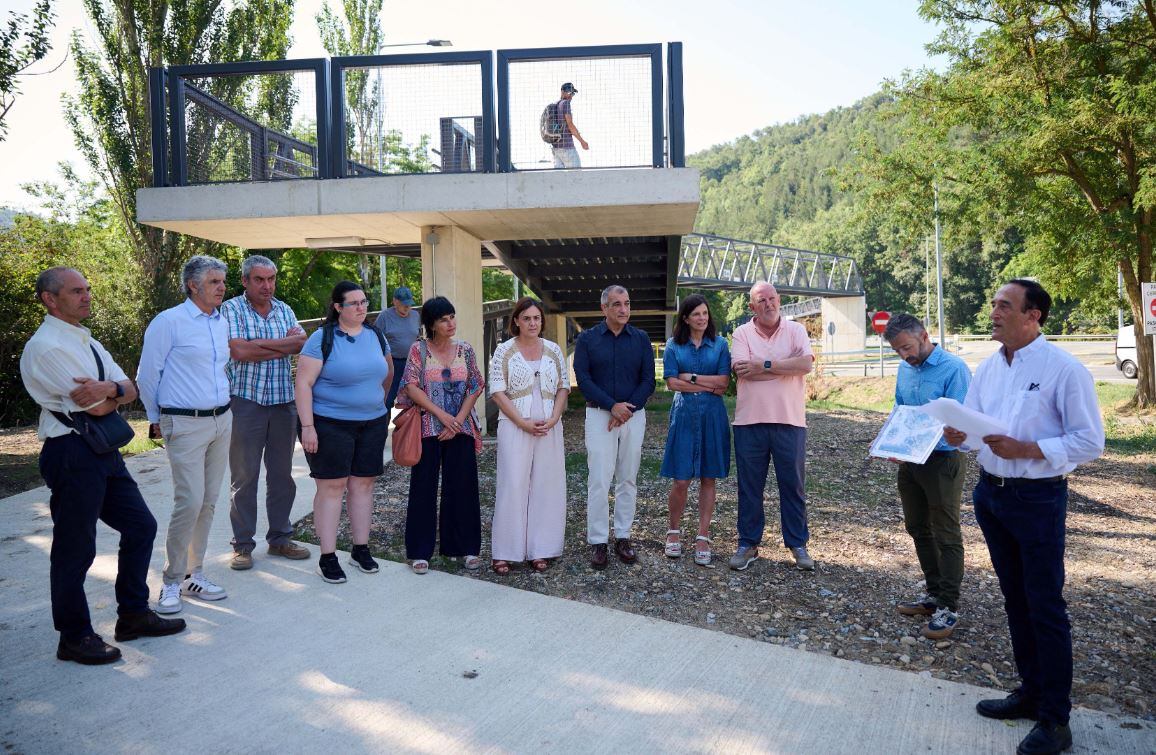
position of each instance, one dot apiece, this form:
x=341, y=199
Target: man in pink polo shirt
x=771, y=358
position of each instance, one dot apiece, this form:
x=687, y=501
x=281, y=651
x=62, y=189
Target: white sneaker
x=170, y=600
x=200, y=586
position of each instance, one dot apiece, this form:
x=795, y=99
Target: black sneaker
x=1046, y=739
x=145, y=624
x=359, y=557
x=90, y=650
x=330, y=569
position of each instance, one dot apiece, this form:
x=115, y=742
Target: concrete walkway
x=393, y=662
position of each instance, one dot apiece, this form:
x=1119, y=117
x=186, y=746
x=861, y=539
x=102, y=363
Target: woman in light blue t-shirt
x=343, y=423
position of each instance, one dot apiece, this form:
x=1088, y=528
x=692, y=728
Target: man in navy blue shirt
x=614, y=363
x=930, y=492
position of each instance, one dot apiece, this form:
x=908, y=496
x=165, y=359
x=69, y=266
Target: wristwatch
x=767, y=364
x=119, y=390
x=693, y=378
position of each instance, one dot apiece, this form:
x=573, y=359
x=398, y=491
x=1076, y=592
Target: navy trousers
x=86, y=487
x=398, y=371
x=460, y=522
x=756, y=446
x=1024, y=529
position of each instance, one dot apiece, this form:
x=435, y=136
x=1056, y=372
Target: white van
x=1126, y=360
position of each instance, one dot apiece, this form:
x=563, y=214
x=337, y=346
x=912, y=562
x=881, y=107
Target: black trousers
x=86, y=487
x=460, y=524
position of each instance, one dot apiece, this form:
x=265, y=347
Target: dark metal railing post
x=323, y=162
x=676, y=104
x=177, y=124
x=338, y=162
x=487, y=136
x=505, y=158
x=157, y=109
x=657, y=131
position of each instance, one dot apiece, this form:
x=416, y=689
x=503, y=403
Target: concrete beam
x=394, y=209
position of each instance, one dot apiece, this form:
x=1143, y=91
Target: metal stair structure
x=721, y=263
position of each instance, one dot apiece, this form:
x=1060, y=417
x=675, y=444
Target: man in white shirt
x=1047, y=399
x=59, y=370
x=185, y=392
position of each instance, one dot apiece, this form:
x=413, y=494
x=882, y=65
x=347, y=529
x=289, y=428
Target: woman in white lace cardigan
x=529, y=381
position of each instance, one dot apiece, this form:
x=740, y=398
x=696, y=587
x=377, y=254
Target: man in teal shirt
x=930, y=492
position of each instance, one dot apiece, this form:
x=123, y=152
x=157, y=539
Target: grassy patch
x=868, y=394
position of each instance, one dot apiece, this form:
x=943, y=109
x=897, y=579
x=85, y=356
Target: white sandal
x=702, y=558
x=420, y=566
x=673, y=550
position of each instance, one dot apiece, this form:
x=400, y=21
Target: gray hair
x=256, y=261
x=751, y=293
x=613, y=288
x=198, y=267
x=903, y=323
x=52, y=280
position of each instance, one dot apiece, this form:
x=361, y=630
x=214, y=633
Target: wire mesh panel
x=413, y=118
x=612, y=111
x=251, y=127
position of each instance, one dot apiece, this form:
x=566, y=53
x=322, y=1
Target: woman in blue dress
x=696, y=366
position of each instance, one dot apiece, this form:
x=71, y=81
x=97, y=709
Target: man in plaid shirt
x=263, y=334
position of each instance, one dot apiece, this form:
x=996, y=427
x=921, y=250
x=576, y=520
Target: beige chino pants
x=198, y=449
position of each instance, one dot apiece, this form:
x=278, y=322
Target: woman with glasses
x=343, y=375
x=442, y=378
x=696, y=365
x=529, y=381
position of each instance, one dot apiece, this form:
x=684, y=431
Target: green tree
x=110, y=114
x=1045, y=120
x=23, y=41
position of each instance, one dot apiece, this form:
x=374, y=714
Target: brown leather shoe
x=289, y=549
x=625, y=550
x=598, y=556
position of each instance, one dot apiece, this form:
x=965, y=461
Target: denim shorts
x=347, y=448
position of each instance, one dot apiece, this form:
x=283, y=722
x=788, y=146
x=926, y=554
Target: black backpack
x=327, y=339
x=550, y=125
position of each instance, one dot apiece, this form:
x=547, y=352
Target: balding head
x=765, y=305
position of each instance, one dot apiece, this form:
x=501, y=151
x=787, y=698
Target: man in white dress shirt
x=60, y=372
x=1047, y=399
x=185, y=392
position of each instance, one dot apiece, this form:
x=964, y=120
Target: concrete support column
x=451, y=266
x=849, y=316
x=554, y=329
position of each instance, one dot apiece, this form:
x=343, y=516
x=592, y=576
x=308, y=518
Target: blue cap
x=403, y=295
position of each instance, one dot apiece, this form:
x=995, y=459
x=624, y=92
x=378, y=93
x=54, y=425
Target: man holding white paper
x=930, y=491
x=1047, y=399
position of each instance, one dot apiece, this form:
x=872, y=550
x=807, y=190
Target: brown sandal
x=539, y=565
x=501, y=568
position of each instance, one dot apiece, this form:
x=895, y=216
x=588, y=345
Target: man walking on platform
x=771, y=358
x=1048, y=400
x=930, y=491
x=263, y=334
x=614, y=363
x=60, y=372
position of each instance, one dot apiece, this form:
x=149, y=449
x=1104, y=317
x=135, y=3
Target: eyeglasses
x=358, y=303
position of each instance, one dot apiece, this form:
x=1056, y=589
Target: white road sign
x=1148, y=298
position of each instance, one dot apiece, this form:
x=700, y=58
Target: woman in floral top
x=443, y=379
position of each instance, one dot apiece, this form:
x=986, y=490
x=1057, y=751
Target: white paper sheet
x=975, y=424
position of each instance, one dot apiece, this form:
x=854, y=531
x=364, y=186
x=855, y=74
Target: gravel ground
x=866, y=563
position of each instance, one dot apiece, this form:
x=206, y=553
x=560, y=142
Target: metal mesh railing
x=611, y=110
x=256, y=127
x=413, y=118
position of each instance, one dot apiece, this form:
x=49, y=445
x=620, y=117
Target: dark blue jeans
x=1024, y=529
x=86, y=487
x=398, y=369
x=755, y=447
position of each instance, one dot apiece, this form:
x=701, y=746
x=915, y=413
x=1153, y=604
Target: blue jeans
x=398, y=369
x=1024, y=529
x=87, y=487
x=755, y=447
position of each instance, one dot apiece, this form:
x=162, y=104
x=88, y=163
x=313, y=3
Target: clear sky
x=747, y=64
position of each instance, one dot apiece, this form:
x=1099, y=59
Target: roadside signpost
x=1148, y=296
x=879, y=322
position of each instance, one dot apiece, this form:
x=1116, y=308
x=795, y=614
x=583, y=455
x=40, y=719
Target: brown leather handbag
x=407, y=429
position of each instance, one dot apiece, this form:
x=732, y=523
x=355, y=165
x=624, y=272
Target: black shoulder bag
x=103, y=434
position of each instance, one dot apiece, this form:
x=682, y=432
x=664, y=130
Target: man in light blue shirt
x=185, y=392
x=930, y=492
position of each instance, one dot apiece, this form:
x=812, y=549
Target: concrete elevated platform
x=393, y=209
x=393, y=662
